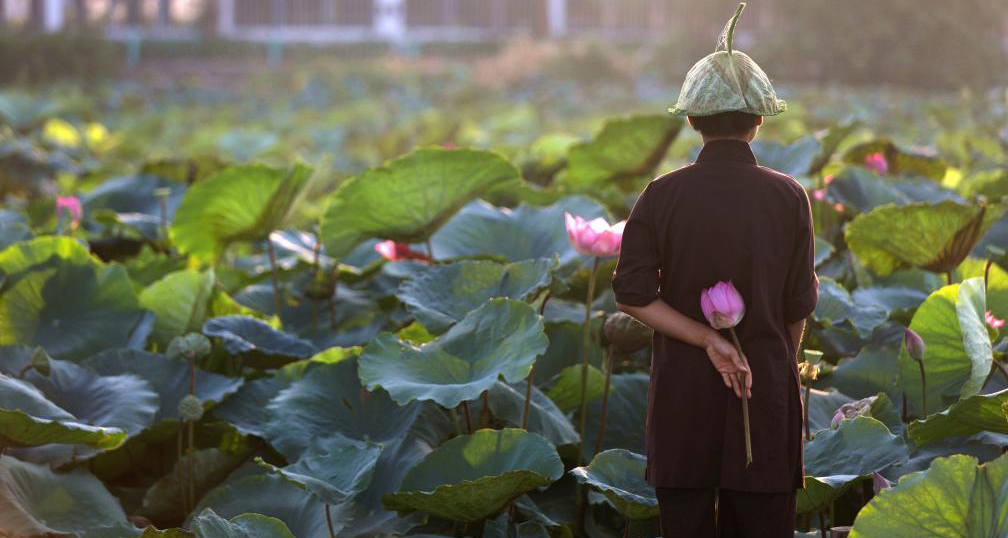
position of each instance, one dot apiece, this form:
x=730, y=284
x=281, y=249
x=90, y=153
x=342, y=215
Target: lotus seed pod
x=812, y=356
x=190, y=408
x=914, y=345
x=40, y=362
x=189, y=347
x=808, y=371
x=626, y=333
x=853, y=409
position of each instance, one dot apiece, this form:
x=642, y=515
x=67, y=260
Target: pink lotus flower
x=819, y=194
x=879, y=482
x=71, y=205
x=827, y=179
x=722, y=305
x=877, y=162
x=994, y=322
x=595, y=237
x=914, y=344
x=392, y=250
x=838, y=207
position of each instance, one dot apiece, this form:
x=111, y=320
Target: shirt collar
x=725, y=149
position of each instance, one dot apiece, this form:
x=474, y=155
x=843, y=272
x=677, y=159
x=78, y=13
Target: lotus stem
x=822, y=523
x=465, y=407
x=605, y=402
x=808, y=391
x=277, y=298
x=430, y=250
x=745, y=398
x=626, y=528
x=163, y=229
x=486, y=409
x=585, y=352
x=191, y=469
x=528, y=388
x=987, y=267
x=948, y=277
x=903, y=411
x=328, y=520
x=920, y=364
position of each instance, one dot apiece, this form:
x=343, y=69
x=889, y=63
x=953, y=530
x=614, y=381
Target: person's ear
x=690, y=120
x=759, y=120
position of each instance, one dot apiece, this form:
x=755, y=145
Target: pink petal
x=819, y=194
x=387, y=249
x=607, y=244
x=707, y=306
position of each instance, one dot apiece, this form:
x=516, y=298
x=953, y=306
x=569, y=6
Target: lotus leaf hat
x=727, y=80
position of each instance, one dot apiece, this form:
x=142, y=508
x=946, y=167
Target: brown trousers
x=691, y=513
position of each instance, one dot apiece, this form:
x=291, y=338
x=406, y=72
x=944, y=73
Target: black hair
x=733, y=123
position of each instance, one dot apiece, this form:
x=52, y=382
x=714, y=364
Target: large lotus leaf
x=502, y=527
x=889, y=298
x=619, y=474
x=990, y=183
x=862, y=191
x=270, y=495
x=239, y=203
x=997, y=283
x=565, y=387
x=793, y=159
x=899, y=161
x=507, y=402
x=835, y=458
x=566, y=345
x=135, y=201
x=125, y=402
x=954, y=498
x=625, y=148
x=822, y=406
x=246, y=409
x=936, y=237
x=163, y=501
x=35, y=501
x=470, y=477
x=169, y=377
x=256, y=342
x=70, y=310
x=875, y=369
x=500, y=338
x=625, y=416
x=179, y=300
x=26, y=254
x=835, y=306
x=28, y=419
x=408, y=198
x=981, y=412
x=823, y=250
x=209, y=525
x=398, y=456
x=443, y=294
x=959, y=354
x=521, y=233
x=333, y=471
x=329, y=399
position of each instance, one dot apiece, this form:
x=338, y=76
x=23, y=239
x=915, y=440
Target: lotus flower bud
x=722, y=305
x=190, y=408
x=40, y=362
x=626, y=333
x=994, y=322
x=189, y=347
x=879, y=482
x=877, y=162
x=852, y=409
x=914, y=344
x=595, y=237
x=393, y=250
x=72, y=205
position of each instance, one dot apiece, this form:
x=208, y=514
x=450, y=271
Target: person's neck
x=712, y=138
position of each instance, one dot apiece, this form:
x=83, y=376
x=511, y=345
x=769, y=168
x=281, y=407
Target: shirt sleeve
x=635, y=280
x=801, y=289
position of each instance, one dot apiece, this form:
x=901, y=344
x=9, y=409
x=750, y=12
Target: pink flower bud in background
x=391, y=250
x=827, y=179
x=994, y=322
x=839, y=207
x=877, y=162
x=837, y=418
x=595, y=237
x=819, y=194
x=722, y=305
x=71, y=205
x=914, y=344
x=879, y=482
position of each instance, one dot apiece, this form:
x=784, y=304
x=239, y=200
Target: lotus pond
x=348, y=306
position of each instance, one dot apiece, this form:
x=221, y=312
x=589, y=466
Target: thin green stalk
x=745, y=398
x=528, y=388
x=582, y=492
x=465, y=407
x=430, y=250
x=808, y=390
x=277, y=294
x=920, y=364
x=605, y=401
x=328, y=520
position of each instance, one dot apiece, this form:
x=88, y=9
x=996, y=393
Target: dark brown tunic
x=723, y=218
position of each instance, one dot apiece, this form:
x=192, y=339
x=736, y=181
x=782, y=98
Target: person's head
x=732, y=125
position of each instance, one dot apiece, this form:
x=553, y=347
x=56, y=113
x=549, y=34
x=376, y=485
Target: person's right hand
x=729, y=364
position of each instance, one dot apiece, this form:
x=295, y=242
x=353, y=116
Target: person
x=722, y=218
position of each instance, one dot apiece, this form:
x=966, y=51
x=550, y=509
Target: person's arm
x=795, y=330
x=801, y=288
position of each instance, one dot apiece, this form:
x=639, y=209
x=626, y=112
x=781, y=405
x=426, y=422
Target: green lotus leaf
x=935, y=237
x=408, y=198
x=835, y=306
x=35, y=501
x=134, y=200
x=835, y=458
x=329, y=399
x=625, y=149
x=862, y=190
x=522, y=233
x=997, y=283
x=169, y=378
x=822, y=406
x=954, y=498
x=889, y=298
x=256, y=342
x=899, y=160
x=443, y=294
x=507, y=402
x=501, y=527
x=246, y=409
x=990, y=183
x=794, y=159
x=823, y=250
x=180, y=301
x=959, y=354
x=565, y=387
x=333, y=471
x=27, y=254
x=209, y=525
x=28, y=419
x=830, y=140
x=500, y=338
x=272, y=496
x=70, y=310
x=625, y=416
x=470, y=477
x=566, y=346
x=162, y=502
x=241, y=203
x=981, y=412
x=619, y=474
x=874, y=369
